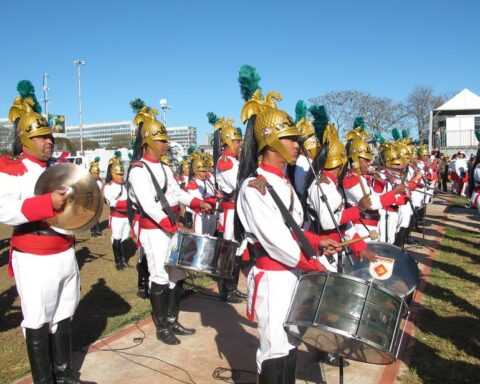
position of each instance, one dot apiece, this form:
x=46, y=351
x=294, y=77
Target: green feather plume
x=249, y=80
x=97, y=159
x=239, y=131
x=359, y=122
x=300, y=110
x=137, y=104
x=320, y=120
x=396, y=134
x=130, y=156
x=212, y=118
x=117, y=154
x=405, y=134
x=25, y=89
x=379, y=137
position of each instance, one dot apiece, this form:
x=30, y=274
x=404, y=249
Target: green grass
x=447, y=330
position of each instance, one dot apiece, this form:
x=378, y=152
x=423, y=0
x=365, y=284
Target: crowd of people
x=288, y=225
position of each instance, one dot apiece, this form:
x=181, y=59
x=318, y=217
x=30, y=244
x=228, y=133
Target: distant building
x=185, y=136
x=102, y=133
x=453, y=124
x=6, y=135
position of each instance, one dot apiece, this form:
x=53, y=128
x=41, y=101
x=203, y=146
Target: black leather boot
x=228, y=287
x=142, y=270
x=38, y=348
x=123, y=253
x=174, y=308
x=274, y=371
x=290, y=367
x=159, y=295
x=116, y=255
x=62, y=354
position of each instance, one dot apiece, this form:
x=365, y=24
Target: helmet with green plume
x=423, y=150
x=337, y=155
x=151, y=129
x=358, y=145
x=228, y=133
x=184, y=166
x=116, y=168
x=390, y=154
x=208, y=158
x=94, y=167
x=26, y=117
x=271, y=124
x=199, y=163
x=307, y=137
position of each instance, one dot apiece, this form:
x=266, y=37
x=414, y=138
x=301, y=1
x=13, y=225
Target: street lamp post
x=165, y=107
x=45, y=93
x=79, y=63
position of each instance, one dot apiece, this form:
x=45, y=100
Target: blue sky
x=190, y=52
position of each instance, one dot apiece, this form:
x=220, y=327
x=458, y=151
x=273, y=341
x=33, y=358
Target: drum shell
x=405, y=274
x=203, y=254
x=346, y=316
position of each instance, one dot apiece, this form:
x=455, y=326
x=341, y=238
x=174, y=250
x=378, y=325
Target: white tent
x=463, y=103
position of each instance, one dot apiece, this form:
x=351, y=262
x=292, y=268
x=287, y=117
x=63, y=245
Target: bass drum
x=346, y=316
x=402, y=280
x=203, y=254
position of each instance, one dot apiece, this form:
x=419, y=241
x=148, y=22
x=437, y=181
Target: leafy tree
x=64, y=144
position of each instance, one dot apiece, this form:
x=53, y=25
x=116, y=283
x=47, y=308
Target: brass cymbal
x=84, y=198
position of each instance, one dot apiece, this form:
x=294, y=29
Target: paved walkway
x=225, y=342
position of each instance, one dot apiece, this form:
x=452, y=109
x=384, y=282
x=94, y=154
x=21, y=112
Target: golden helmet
x=391, y=156
x=271, y=124
x=307, y=136
x=166, y=160
x=402, y=150
x=116, y=169
x=151, y=129
x=199, y=163
x=359, y=146
x=208, y=158
x=423, y=150
x=337, y=155
x=28, y=123
x=228, y=133
x=94, y=168
x=184, y=166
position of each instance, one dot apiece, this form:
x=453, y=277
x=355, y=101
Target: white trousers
x=157, y=245
x=273, y=295
x=388, y=226
x=204, y=224
x=120, y=228
x=48, y=286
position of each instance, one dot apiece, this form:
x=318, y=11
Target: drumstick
x=356, y=166
x=371, y=234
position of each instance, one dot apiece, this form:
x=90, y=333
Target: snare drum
x=346, y=316
x=202, y=253
x=401, y=280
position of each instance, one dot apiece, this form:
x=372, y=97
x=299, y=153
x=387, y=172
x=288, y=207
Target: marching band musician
x=204, y=223
x=226, y=173
x=358, y=183
x=310, y=144
x=272, y=134
x=42, y=260
x=115, y=193
x=157, y=193
x=184, y=175
x=94, y=170
x=334, y=158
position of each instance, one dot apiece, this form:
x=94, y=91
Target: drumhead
x=405, y=275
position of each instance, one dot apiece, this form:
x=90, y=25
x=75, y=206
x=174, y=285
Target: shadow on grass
x=10, y=315
x=93, y=312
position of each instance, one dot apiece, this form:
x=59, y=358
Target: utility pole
x=165, y=107
x=79, y=63
x=45, y=99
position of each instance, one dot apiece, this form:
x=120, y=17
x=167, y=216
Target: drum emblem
x=382, y=268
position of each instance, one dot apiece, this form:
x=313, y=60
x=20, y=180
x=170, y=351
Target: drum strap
x=305, y=244
x=161, y=195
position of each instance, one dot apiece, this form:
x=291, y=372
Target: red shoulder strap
x=12, y=165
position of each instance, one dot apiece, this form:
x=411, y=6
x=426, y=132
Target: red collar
x=230, y=154
x=151, y=159
x=330, y=175
x=273, y=170
x=26, y=155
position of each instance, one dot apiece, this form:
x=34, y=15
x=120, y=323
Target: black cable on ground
x=231, y=375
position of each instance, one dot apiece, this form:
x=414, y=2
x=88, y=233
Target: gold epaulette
x=259, y=183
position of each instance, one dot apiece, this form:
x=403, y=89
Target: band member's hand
x=365, y=203
x=366, y=254
x=398, y=189
x=219, y=194
x=167, y=225
x=59, y=199
x=205, y=207
x=329, y=247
